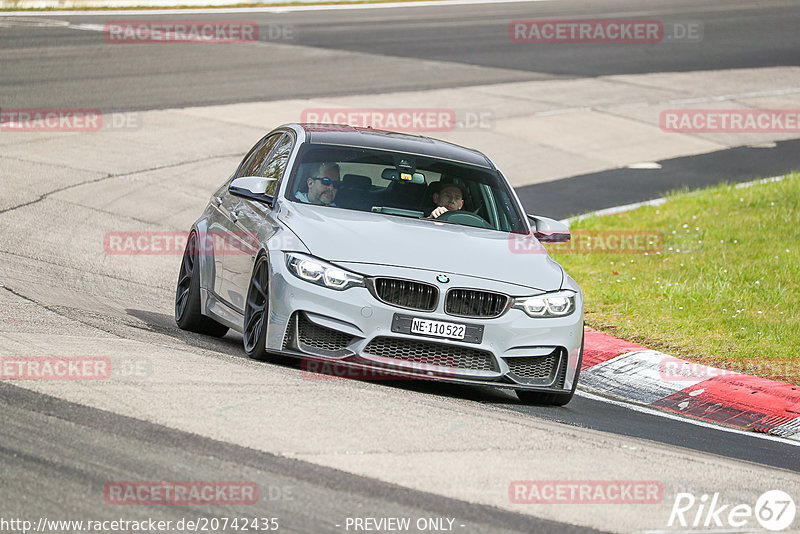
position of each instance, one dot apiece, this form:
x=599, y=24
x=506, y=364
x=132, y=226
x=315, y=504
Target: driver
x=450, y=197
x=322, y=185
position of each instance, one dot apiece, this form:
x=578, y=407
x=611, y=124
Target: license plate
x=437, y=328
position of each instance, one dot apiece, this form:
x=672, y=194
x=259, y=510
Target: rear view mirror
x=399, y=176
x=549, y=230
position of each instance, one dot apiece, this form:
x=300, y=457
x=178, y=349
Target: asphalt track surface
x=61, y=67
x=616, y=187
x=51, y=448
x=37, y=445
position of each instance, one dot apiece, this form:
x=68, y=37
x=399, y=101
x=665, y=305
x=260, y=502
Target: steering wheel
x=467, y=218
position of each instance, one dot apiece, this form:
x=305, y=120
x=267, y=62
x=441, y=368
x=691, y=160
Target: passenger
x=322, y=185
x=449, y=197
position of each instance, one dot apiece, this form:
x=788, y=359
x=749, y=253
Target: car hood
x=339, y=235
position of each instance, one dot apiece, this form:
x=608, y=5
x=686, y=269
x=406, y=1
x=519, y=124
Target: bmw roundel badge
x=443, y=278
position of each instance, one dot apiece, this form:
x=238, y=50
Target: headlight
x=548, y=305
x=321, y=273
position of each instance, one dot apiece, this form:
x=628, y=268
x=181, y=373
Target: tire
x=256, y=312
x=187, y=296
x=552, y=399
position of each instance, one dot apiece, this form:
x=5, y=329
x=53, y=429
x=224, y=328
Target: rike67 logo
x=773, y=510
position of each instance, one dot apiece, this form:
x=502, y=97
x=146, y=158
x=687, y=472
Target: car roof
x=345, y=135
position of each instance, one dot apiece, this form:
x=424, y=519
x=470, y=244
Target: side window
x=276, y=164
x=256, y=158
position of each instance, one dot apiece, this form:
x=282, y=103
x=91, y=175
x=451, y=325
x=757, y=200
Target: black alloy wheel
x=256, y=312
x=187, y=295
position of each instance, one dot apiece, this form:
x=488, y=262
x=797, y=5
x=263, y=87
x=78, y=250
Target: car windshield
x=404, y=185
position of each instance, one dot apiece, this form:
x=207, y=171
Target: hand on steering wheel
x=438, y=211
x=467, y=218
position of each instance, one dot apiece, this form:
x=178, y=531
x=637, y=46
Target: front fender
x=206, y=257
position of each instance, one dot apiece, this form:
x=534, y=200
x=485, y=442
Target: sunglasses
x=327, y=181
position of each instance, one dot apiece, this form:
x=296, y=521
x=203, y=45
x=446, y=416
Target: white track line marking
x=696, y=422
x=659, y=201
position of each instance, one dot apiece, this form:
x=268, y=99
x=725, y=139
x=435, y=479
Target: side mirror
x=253, y=187
x=549, y=230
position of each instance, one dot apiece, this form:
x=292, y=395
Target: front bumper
x=355, y=329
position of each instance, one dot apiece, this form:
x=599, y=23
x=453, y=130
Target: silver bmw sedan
x=385, y=254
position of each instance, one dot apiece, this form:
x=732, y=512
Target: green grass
x=722, y=291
